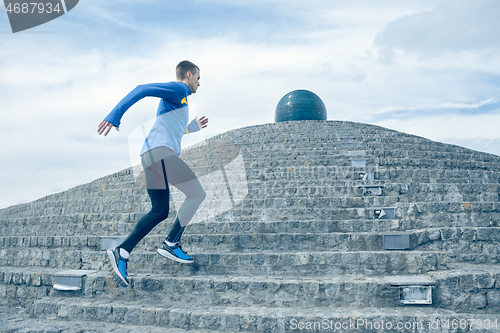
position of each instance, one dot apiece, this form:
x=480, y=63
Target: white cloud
x=448, y=28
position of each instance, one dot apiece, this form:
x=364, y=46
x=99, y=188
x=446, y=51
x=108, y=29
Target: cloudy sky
x=430, y=68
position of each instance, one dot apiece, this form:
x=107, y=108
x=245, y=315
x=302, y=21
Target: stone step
x=339, y=146
x=417, y=216
x=259, y=263
x=478, y=289
x=320, y=226
x=340, y=141
x=382, y=150
x=239, y=291
x=370, y=161
x=283, y=199
x=326, y=159
x=93, y=191
x=480, y=245
x=334, y=158
x=306, y=220
x=439, y=179
x=342, y=146
x=15, y=319
x=373, y=145
x=338, y=194
x=116, y=200
x=301, y=183
x=343, y=207
x=334, y=135
x=241, y=221
x=260, y=319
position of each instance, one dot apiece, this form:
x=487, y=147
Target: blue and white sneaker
x=175, y=253
x=118, y=266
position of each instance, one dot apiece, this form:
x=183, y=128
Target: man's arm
x=105, y=125
x=160, y=90
x=197, y=124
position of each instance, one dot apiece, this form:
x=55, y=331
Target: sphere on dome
x=300, y=105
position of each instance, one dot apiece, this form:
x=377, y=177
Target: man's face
x=193, y=81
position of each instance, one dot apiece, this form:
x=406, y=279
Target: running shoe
x=118, y=266
x=175, y=253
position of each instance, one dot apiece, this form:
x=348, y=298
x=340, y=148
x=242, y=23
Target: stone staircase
x=308, y=226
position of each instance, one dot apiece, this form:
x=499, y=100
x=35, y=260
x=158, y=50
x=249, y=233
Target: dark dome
x=300, y=105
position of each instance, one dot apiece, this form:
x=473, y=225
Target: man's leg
x=183, y=178
x=158, y=213
x=158, y=191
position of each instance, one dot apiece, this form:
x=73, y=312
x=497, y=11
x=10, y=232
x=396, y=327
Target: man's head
x=188, y=73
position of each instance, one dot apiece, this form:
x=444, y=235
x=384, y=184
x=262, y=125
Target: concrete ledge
x=70, y=280
x=408, y=280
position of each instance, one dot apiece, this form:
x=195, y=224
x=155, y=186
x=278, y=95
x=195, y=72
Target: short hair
x=183, y=67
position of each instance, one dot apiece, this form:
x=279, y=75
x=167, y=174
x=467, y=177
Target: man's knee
x=198, y=196
x=192, y=190
x=159, y=213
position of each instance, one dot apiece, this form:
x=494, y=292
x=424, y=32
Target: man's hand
x=202, y=122
x=106, y=126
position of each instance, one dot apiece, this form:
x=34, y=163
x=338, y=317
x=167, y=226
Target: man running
x=162, y=165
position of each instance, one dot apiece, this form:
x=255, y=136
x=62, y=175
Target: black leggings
x=158, y=163
x=158, y=213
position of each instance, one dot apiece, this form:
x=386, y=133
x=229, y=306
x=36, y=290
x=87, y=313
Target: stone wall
x=287, y=229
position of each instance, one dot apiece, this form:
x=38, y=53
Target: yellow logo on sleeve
x=184, y=101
